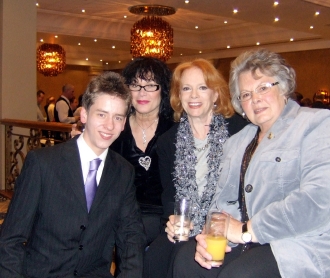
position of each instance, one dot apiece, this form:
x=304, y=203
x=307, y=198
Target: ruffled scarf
x=185, y=163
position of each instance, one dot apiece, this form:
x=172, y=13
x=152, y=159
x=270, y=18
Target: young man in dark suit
x=53, y=227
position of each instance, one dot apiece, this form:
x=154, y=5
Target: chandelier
x=50, y=59
x=152, y=36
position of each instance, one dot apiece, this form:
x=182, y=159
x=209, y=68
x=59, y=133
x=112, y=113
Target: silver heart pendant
x=145, y=162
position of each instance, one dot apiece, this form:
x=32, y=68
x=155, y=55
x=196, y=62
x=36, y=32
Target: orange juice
x=216, y=246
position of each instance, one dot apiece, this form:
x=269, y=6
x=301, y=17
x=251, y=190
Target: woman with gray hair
x=274, y=181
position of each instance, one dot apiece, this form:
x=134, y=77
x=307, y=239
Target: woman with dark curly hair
x=151, y=115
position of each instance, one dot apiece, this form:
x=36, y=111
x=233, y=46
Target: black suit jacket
x=48, y=231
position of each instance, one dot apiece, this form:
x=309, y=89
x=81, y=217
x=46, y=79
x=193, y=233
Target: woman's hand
x=202, y=256
x=74, y=131
x=170, y=228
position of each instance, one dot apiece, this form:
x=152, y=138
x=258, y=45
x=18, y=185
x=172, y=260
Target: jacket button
x=75, y=273
x=81, y=247
x=278, y=159
x=248, y=188
x=83, y=227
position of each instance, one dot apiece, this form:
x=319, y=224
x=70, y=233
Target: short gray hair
x=270, y=64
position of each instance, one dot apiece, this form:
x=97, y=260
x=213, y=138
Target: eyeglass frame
x=267, y=84
x=144, y=87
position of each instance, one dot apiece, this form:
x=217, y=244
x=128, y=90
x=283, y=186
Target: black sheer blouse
x=147, y=179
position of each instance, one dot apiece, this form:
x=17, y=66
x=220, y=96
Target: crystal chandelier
x=50, y=59
x=152, y=36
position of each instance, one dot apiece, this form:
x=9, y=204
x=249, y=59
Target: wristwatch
x=246, y=236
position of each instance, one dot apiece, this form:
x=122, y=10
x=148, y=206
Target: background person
x=273, y=182
x=40, y=98
x=53, y=228
x=190, y=152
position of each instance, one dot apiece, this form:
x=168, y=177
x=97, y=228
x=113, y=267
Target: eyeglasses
x=263, y=88
x=147, y=88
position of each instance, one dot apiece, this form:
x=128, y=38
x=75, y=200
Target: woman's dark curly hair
x=148, y=68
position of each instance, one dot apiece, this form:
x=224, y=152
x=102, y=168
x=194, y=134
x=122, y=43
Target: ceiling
x=104, y=21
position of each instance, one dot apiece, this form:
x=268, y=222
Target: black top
x=166, y=153
x=147, y=180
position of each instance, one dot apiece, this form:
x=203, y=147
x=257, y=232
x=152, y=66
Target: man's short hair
x=40, y=93
x=109, y=83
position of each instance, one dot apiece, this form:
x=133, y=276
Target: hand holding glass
x=181, y=220
x=216, y=235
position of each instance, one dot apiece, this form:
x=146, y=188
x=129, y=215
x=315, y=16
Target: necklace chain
x=144, y=135
x=202, y=148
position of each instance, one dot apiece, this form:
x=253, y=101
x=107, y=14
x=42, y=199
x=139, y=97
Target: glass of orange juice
x=216, y=235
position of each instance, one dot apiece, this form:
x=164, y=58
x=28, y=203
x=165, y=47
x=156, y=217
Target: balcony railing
x=23, y=136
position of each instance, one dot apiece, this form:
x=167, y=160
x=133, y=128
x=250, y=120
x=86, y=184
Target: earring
x=285, y=101
x=214, y=106
x=244, y=115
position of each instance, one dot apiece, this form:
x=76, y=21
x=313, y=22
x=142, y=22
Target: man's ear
x=83, y=115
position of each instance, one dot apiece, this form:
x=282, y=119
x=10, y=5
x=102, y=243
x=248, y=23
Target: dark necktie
x=91, y=184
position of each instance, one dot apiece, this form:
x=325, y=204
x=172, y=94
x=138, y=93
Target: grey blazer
x=288, y=193
x=48, y=231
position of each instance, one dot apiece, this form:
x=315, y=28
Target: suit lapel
x=72, y=166
x=106, y=181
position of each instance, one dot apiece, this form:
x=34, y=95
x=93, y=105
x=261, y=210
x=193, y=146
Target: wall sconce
x=323, y=96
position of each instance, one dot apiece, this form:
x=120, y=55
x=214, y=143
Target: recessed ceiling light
x=196, y=27
x=181, y=54
x=119, y=62
x=101, y=60
x=41, y=40
x=291, y=40
x=311, y=27
x=86, y=59
x=258, y=43
x=95, y=40
x=228, y=46
x=276, y=19
x=200, y=51
x=79, y=43
x=125, y=16
x=83, y=11
x=186, y=1
x=113, y=46
x=275, y=3
x=107, y=63
x=317, y=13
x=56, y=36
x=235, y=11
x=225, y=22
x=37, y=4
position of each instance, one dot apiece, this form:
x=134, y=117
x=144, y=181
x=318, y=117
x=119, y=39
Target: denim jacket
x=287, y=189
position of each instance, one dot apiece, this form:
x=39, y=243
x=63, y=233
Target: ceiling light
x=235, y=11
x=83, y=11
x=41, y=40
x=317, y=13
x=50, y=59
x=86, y=59
x=258, y=43
x=37, y=4
x=101, y=60
x=276, y=19
x=228, y=46
x=95, y=40
x=125, y=16
x=225, y=22
x=291, y=40
x=186, y=1
x=79, y=43
x=200, y=51
x=56, y=36
x=196, y=27
x=113, y=46
x=311, y=27
x=275, y=3
x=152, y=36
